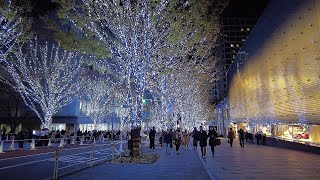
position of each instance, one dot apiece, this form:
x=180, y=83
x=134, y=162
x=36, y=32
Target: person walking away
x=231, y=136
x=152, y=136
x=241, y=137
x=212, y=138
x=186, y=138
x=203, y=137
x=168, y=140
x=259, y=136
x=195, y=135
x=178, y=140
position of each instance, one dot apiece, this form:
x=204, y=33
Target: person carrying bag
x=213, y=140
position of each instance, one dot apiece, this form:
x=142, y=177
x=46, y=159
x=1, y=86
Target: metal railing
x=61, y=160
x=92, y=160
x=34, y=143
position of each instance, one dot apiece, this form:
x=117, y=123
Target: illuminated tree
x=95, y=92
x=9, y=31
x=47, y=78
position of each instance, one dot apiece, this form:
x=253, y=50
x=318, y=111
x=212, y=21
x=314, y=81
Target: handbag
x=217, y=142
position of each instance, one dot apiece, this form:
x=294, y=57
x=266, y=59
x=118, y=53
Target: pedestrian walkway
x=183, y=166
x=260, y=162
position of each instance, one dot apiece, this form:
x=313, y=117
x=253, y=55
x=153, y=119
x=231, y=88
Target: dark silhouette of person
x=231, y=136
x=152, y=137
x=241, y=137
x=212, y=138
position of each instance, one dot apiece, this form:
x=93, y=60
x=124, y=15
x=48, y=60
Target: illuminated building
x=275, y=89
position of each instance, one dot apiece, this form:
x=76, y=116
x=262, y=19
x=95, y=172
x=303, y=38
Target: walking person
x=241, y=137
x=212, y=138
x=203, y=137
x=195, y=135
x=178, y=140
x=231, y=136
x=21, y=136
x=171, y=134
x=186, y=138
x=168, y=140
x=152, y=137
x=258, y=137
x=4, y=130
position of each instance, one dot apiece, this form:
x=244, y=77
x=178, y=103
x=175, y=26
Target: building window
x=248, y=29
x=237, y=45
x=231, y=45
x=243, y=40
x=242, y=29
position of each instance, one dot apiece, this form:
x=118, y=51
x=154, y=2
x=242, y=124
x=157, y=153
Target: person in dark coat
x=212, y=138
x=231, y=136
x=152, y=137
x=21, y=136
x=168, y=140
x=195, y=135
x=203, y=137
x=241, y=137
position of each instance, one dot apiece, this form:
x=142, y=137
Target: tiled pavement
x=251, y=162
x=257, y=162
x=183, y=166
x=261, y=162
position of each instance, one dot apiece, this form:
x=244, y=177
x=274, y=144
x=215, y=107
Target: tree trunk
x=47, y=121
x=136, y=141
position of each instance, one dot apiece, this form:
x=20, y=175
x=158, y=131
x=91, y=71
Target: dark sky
x=244, y=8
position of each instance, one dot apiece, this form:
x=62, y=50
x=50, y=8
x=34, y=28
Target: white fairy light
x=46, y=78
x=10, y=30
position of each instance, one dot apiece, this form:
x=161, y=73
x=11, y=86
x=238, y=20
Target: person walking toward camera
x=152, y=137
x=195, y=135
x=212, y=138
x=203, y=137
x=168, y=140
x=178, y=140
x=230, y=137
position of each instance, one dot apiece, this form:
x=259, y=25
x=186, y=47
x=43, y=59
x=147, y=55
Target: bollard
x=103, y=139
x=73, y=139
x=81, y=141
x=33, y=144
x=91, y=155
x=120, y=148
x=12, y=145
x=112, y=151
x=7, y=138
x=61, y=142
x=49, y=143
x=94, y=141
x=1, y=147
x=56, y=165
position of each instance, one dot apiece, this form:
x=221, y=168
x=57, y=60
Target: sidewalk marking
x=7, y=167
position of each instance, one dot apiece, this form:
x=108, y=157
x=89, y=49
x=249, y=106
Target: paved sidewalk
x=260, y=162
x=183, y=166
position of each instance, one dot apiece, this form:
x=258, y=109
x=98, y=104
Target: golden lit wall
x=280, y=80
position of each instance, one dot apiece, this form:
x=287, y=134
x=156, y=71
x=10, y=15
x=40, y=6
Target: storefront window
x=56, y=126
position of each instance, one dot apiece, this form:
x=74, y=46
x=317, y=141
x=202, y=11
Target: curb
x=212, y=177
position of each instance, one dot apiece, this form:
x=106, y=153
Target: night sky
x=245, y=8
